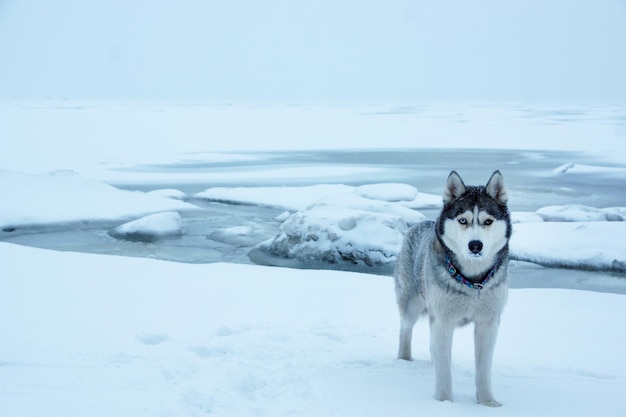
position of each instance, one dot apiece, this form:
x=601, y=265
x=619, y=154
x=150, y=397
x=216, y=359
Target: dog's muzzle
x=475, y=246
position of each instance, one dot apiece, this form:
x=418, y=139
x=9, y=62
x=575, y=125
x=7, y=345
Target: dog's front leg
x=485, y=335
x=441, y=333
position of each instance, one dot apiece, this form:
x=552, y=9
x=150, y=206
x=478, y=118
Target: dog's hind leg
x=410, y=311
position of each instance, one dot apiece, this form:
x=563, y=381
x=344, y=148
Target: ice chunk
x=334, y=234
x=150, y=228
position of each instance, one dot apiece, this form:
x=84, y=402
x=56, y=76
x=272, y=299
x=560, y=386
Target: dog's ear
x=455, y=187
x=496, y=189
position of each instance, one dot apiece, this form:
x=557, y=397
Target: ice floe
x=586, y=245
x=65, y=196
x=150, y=228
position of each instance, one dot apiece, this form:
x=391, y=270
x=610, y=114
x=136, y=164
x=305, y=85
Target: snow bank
x=587, y=245
x=150, y=228
x=118, y=336
x=571, y=236
x=65, y=196
x=580, y=213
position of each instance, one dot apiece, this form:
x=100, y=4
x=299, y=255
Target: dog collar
x=473, y=285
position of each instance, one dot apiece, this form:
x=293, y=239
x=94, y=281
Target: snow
x=572, y=168
x=580, y=213
x=388, y=192
x=106, y=335
x=150, y=228
x=525, y=217
x=587, y=245
x=365, y=225
x=169, y=193
x=571, y=236
x=327, y=233
x=331, y=223
x=283, y=216
x=299, y=198
x=245, y=235
x=248, y=176
x=291, y=198
x=335, y=223
x=66, y=196
x=335, y=234
x=103, y=140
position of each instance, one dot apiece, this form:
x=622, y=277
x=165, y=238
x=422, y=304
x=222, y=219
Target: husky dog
x=455, y=270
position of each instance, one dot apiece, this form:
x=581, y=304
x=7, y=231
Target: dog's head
x=475, y=223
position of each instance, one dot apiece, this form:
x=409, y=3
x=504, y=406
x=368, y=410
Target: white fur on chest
x=451, y=301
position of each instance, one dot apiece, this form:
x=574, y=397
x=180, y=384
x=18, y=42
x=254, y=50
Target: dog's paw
x=490, y=403
x=443, y=397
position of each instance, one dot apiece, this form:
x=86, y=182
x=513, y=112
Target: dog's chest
x=461, y=306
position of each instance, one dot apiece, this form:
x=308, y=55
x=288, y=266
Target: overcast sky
x=321, y=50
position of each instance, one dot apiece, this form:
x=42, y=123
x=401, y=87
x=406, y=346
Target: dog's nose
x=475, y=246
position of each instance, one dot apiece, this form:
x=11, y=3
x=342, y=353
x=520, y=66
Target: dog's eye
x=463, y=221
x=488, y=222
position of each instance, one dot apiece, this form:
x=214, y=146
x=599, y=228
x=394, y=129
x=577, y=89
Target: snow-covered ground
x=87, y=334
x=114, y=336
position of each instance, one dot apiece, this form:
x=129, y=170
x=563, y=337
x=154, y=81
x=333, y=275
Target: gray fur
x=424, y=285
